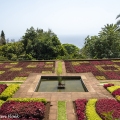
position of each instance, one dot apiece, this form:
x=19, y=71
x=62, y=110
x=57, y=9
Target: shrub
x=1, y=102
x=80, y=108
x=108, y=85
x=25, y=110
x=116, y=92
x=28, y=100
x=112, y=88
x=91, y=111
x=108, y=106
x=2, y=87
x=9, y=91
x=117, y=97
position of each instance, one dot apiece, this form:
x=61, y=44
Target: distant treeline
x=45, y=45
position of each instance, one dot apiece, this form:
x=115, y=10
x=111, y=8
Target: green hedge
x=91, y=111
x=9, y=91
x=43, y=100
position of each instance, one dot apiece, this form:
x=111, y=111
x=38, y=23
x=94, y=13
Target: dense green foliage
x=38, y=45
x=105, y=45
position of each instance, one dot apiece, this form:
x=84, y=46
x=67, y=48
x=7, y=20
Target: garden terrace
x=19, y=71
x=101, y=69
x=96, y=91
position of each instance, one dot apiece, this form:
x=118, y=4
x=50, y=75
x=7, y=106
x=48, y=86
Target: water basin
x=50, y=83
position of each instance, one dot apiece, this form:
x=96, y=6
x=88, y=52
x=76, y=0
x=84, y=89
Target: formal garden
x=13, y=76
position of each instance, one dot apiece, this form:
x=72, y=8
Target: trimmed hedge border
x=9, y=91
x=91, y=110
x=43, y=100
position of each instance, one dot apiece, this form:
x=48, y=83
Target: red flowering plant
x=116, y=92
x=25, y=110
x=112, y=75
x=2, y=87
x=108, y=85
x=80, y=108
x=104, y=106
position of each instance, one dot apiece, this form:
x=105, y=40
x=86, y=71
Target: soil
x=75, y=110
x=47, y=106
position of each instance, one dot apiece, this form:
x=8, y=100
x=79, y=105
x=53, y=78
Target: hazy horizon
x=63, y=17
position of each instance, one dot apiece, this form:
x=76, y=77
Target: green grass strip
x=62, y=110
x=59, y=68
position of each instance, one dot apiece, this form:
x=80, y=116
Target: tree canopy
x=105, y=45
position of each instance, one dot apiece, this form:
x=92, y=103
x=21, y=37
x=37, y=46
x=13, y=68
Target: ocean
x=75, y=40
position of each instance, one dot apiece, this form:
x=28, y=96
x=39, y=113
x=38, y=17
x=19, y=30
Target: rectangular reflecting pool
x=71, y=83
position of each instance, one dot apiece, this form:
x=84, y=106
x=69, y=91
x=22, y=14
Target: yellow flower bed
x=48, y=65
x=20, y=78
x=100, y=77
x=117, y=97
x=31, y=66
x=1, y=72
x=46, y=72
x=99, y=67
x=14, y=63
x=115, y=60
x=8, y=66
x=112, y=88
x=15, y=69
x=75, y=63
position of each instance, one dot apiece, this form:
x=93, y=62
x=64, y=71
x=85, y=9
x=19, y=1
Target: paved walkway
x=95, y=91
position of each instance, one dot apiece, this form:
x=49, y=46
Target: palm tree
x=118, y=22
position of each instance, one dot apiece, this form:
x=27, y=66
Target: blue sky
x=63, y=17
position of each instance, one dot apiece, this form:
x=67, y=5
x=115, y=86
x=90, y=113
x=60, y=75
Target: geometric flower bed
x=24, y=109
x=101, y=69
x=114, y=90
x=94, y=109
x=17, y=70
x=106, y=106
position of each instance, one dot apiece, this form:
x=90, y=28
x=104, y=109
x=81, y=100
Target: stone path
x=95, y=91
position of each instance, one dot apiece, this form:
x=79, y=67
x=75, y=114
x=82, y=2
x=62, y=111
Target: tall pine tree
x=2, y=38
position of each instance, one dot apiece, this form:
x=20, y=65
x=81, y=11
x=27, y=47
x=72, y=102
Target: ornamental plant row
x=80, y=105
x=114, y=90
x=97, y=109
x=22, y=69
x=23, y=110
x=91, y=110
x=43, y=100
x=2, y=87
x=9, y=91
x=104, y=69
